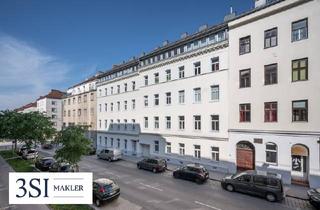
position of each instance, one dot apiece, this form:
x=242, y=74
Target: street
x=142, y=189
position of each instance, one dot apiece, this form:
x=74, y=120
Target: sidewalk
x=293, y=191
x=5, y=168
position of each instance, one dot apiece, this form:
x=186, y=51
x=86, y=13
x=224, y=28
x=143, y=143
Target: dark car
x=153, y=164
x=258, y=183
x=22, y=150
x=45, y=163
x=192, y=172
x=61, y=167
x=47, y=146
x=104, y=190
x=314, y=197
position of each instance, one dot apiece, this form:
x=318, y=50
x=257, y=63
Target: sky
x=48, y=45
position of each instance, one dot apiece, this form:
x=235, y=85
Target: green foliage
x=74, y=144
x=18, y=164
x=70, y=207
x=8, y=154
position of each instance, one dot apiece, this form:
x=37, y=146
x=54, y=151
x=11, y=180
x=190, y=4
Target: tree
x=74, y=145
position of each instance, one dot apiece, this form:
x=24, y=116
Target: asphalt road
x=145, y=190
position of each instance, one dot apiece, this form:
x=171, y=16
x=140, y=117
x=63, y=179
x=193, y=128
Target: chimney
x=184, y=35
x=259, y=3
x=166, y=42
x=230, y=16
x=203, y=27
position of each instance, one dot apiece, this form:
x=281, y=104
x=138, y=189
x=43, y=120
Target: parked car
x=30, y=154
x=110, y=154
x=47, y=146
x=92, y=151
x=314, y=197
x=153, y=164
x=45, y=163
x=61, y=167
x=104, y=190
x=192, y=172
x=258, y=183
x=22, y=150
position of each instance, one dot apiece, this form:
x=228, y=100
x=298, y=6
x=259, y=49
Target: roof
x=104, y=181
x=54, y=94
x=263, y=173
x=195, y=165
x=33, y=104
x=86, y=80
x=119, y=67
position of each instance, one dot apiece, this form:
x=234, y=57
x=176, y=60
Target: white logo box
x=50, y=188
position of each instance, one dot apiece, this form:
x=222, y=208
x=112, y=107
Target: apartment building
x=171, y=102
x=79, y=107
x=31, y=107
x=274, y=90
x=51, y=106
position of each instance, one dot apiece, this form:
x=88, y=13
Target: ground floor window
x=168, y=147
x=181, y=149
x=215, y=153
x=156, y=146
x=125, y=144
x=118, y=143
x=197, y=151
x=105, y=141
x=111, y=142
x=271, y=153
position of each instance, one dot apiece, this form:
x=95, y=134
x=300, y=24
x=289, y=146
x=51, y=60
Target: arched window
x=271, y=153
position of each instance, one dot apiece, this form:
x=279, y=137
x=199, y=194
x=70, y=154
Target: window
x=260, y=180
x=111, y=90
x=300, y=110
x=197, y=68
x=54, y=110
x=69, y=101
x=69, y=113
x=156, y=99
x=145, y=101
x=245, y=78
x=156, y=122
x=168, y=98
x=133, y=85
x=99, y=107
x=111, y=107
x=271, y=74
x=181, y=122
x=146, y=122
x=125, y=144
x=299, y=30
x=215, y=122
x=133, y=104
x=100, y=92
x=111, y=142
x=79, y=99
x=181, y=72
x=215, y=92
x=111, y=124
x=197, y=151
x=79, y=112
x=125, y=87
x=156, y=146
x=99, y=123
x=125, y=124
x=215, y=64
x=100, y=140
x=118, y=104
x=197, y=122
x=74, y=100
x=92, y=96
x=105, y=124
x=118, y=124
x=156, y=78
x=300, y=70
x=169, y=147
x=84, y=98
x=125, y=105
x=245, y=45
x=271, y=153
x=106, y=91
x=118, y=143
x=118, y=89
x=91, y=111
x=271, y=38
x=270, y=112
x=105, y=141
x=146, y=81
x=85, y=113
x=181, y=149
x=197, y=95
x=168, y=75
x=105, y=107
x=181, y=97
x=215, y=153
x=168, y=122
x=133, y=124
x=245, y=112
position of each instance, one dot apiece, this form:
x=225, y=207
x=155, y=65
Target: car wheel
x=198, y=181
x=230, y=187
x=176, y=175
x=154, y=170
x=97, y=202
x=271, y=197
x=139, y=167
x=109, y=159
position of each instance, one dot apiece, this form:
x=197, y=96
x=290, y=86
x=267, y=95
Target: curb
x=296, y=197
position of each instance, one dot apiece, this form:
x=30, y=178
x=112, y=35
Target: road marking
x=209, y=206
x=155, y=188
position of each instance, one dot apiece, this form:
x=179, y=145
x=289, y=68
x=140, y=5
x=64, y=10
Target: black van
x=259, y=183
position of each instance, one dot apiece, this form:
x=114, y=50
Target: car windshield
x=238, y=175
x=109, y=187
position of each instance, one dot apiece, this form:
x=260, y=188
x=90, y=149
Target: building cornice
x=279, y=132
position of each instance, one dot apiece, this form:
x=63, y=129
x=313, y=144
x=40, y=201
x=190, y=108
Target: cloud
x=26, y=72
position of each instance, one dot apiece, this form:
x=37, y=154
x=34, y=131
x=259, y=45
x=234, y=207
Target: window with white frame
x=197, y=151
x=111, y=107
x=145, y=101
x=181, y=96
x=118, y=89
x=169, y=147
x=215, y=153
x=105, y=141
x=105, y=124
x=133, y=124
x=111, y=142
x=111, y=90
x=146, y=80
x=156, y=146
x=181, y=149
x=215, y=122
x=105, y=107
x=100, y=140
x=271, y=153
x=99, y=123
x=146, y=122
x=181, y=72
x=99, y=107
x=118, y=104
x=133, y=104
x=111, y=124
x=118, y=124
x=181, y=122
x=168, y=75
x=125, y=144
x=215, y=64
x=118, y=143
x=299, y=30
x=156, y=122
x=125, y=87
x=197, y=95
x=215, y=92
x=197, y=122
x=168, y=122
x=156, y=78
x=133, y=85
x=168, y=98
x=125, y=105
x=125, y=124
x=156, y=99
x=197, y=68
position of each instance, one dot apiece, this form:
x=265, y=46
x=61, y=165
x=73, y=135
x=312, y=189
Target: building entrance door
x=300, y=164
x=245, y=156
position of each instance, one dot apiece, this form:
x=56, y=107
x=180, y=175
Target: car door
x=260, y=185
x=188, y=173
x=95, y=188
x=244, y=183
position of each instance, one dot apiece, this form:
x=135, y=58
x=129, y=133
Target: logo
x=50, y=188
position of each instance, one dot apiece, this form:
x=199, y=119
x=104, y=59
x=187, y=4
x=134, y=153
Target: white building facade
x=274, y=91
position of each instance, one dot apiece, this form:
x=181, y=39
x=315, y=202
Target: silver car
x=30, y=154
x=110, y=154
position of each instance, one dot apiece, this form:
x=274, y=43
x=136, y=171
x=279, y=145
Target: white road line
x=155, y=188
x=203, y=204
